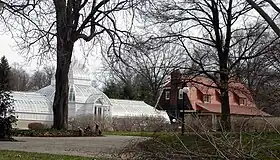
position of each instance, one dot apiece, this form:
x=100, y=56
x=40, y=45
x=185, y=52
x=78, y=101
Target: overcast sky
x=9, y=49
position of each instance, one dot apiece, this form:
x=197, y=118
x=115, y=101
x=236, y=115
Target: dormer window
x=242, y=101
x=167, y=95
x=206, y=98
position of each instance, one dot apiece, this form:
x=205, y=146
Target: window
x=95, y=110
x=180, y=94
x=167, y=95
x=242, y=101
x=99, y=111
x=71, y=95
x=206, y=98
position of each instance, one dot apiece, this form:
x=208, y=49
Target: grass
x=258, y=145
x=17, y=155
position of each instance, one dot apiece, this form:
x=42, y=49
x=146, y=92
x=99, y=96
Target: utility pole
x=182, y=93
x=183, y=117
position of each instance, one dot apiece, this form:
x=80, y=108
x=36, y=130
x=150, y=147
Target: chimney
x=175, y=83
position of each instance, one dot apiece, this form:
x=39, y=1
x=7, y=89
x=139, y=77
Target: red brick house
x=203, y=96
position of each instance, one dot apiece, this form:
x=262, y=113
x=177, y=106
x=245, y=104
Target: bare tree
x=49, y=71
x=19, y=79
x=38, y=80
x=208, y=31
x=62, y=23
x=149, y=62
x=267, y=18
x=261, y=76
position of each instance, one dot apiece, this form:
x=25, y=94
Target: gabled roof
x=234, y=109
x=203, y=84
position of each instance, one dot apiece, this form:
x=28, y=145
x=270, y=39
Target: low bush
x=135, y=124
x=49, y=133
x=36, y=126
x=140, y=124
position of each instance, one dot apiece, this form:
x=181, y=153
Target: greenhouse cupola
x=83, y=97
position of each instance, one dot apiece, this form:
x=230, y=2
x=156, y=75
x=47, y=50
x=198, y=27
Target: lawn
x=16, y=155
x=168, y=145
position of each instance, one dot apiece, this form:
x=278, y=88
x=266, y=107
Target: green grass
x=17, y=155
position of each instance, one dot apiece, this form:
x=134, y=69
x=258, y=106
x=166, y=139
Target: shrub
x=36, y=126
x=48, y=133
x=152, y=124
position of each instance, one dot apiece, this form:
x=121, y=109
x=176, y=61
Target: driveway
x=81, y=146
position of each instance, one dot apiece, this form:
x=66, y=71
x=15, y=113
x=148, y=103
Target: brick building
x=204, y=97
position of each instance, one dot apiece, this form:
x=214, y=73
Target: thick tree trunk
x=65, y=43
x=225, y=119
x=60, y=105
x=223, y=52
x=60, y=100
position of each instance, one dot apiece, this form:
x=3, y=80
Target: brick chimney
x=175, y=83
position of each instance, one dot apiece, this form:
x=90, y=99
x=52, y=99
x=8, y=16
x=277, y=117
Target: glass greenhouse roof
x=31, y=102
x=128, y=108
x=100, y=99
x=83, y=94
x=80, y=88
x=48, y=92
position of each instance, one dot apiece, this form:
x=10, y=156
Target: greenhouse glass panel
x=126, y=108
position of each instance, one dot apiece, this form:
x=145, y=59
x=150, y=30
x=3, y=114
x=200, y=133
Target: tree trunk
x=65, y=43
x=60, y=104
x=225, y=119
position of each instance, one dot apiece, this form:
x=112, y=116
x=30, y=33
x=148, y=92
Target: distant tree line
x=20, y=80
x=137, y=88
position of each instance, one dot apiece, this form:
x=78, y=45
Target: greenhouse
x=84, y=99
x=129, y=108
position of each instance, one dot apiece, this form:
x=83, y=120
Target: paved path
x=82, y=146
